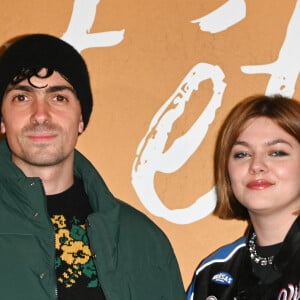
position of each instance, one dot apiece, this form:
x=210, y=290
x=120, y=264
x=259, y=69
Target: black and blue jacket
x=228, y=273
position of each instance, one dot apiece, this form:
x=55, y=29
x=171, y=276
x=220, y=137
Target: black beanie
x=45, y=51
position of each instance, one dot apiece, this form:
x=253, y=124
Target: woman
x=257, y=172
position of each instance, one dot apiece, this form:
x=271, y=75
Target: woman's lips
x=259, y=184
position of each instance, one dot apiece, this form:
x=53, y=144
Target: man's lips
x=41, y=137
x=259, y=184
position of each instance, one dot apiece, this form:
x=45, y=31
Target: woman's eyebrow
x=239, y=142
x=278, y=141
x=269, y=143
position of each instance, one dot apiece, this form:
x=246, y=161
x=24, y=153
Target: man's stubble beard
x=41, y=154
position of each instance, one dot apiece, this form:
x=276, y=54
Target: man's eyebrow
x=58, y=88
x=49, y=89
x=19, y=87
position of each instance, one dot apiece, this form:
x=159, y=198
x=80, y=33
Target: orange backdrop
x=140, y=56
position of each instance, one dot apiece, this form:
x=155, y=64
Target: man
x=62, y=233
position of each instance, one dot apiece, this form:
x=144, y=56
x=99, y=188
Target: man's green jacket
x=133, y=257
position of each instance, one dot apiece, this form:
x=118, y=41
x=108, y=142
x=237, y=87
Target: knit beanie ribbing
x=45, y=51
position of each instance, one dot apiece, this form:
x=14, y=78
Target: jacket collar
x=6, y=164
x=95, y=187
x=107, y=212
x=290, y=246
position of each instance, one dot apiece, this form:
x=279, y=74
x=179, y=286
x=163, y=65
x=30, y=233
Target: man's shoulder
x=134, y=217
x=132, y=220
x=138, y=224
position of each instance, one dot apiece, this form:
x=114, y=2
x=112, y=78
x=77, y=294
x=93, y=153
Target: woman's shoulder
x=224, y=253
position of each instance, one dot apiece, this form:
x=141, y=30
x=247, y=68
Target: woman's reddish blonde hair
x=285, y=112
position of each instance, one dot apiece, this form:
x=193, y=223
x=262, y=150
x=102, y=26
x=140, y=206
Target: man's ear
x=80, y=125
x=2, y=126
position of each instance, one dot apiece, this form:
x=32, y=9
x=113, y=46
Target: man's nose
x=40, y=111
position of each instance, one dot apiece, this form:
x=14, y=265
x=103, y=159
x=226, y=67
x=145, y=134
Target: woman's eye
x=279, y=153
x=240, y=155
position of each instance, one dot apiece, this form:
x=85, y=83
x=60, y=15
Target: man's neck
x=56, y=179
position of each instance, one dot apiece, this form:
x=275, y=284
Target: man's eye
x=238, y=155
x=20, y=98
x=60, y=98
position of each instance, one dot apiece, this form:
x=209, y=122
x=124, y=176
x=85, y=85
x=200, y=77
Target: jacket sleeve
x=177, y=288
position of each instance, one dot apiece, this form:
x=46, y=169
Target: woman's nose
x=258, y=165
